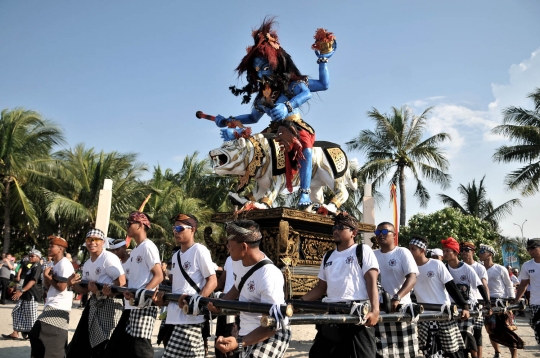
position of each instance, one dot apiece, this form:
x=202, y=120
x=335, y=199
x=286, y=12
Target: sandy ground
x=299, y=347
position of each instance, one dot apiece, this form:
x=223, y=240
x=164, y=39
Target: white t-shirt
x=514, y=280
x=482, y=274
x=264, y=286
x=465, y=275
x=229, y=278
x=105, y=269
x=125, y=266
x=343, y=275
x=429, y=287
x=197, y=262
x=499, y=282
x=394, y=266
x=531, y=271
x=60, y=300
x=142, y=259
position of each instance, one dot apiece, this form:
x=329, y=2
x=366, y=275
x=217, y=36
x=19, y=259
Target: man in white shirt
x=192, y=274
x=132, y=335
x=530, y=276
x=226, y=326
x=101, y=314
x=466, y=251
x=398, y=276
x=342, y=278
x=500, y=286
x=264, y=285
x=469, y=283
x=433, y=285
x=119, y=248
x=49, y=334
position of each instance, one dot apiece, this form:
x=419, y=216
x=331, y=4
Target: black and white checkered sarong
x=186, y=341
x=141, y=322
x=448, y=334
x=273, y=347
x=55, y=317
x=24, y=315
x=396, y=339
x=479, y=322
x=534, y=309
x=103, y=317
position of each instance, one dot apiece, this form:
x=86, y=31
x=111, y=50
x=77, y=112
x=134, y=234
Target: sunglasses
x=466, y=249
x=482, y=251
x=340, y=227
x=383, y=232
x=92, y=239
x=180, y=228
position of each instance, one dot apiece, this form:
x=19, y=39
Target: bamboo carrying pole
x=254, y=307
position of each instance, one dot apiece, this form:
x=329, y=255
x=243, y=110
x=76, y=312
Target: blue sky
x=130, y=75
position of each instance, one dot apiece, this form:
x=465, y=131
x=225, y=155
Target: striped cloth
x=479, y=322
x=141, y=322
x=535, y=325
x=273, y=347
x=445, y=334
x=103, y=317
x=24, y=315
x=186, y=341
x=396, y=339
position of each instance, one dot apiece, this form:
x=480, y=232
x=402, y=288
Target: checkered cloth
x=445, y=333
x=273, y=347
x=186, y=341
x=24, y=315
x=55, y=317
x=141, y=322
x=396, y=339
x=479, y=322
x=536, y=329
x=103, y=317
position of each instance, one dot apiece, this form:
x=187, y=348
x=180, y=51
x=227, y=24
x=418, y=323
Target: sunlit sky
x=130, y=75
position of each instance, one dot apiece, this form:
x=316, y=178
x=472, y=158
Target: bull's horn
x=241, y=142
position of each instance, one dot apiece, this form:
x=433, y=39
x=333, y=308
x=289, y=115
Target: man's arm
x=373, y=293
x=522, y=288
x=485, y=284
x=316, y=292
x=210, y=286
x=157, y=278
x=410, y=281
x=221, y=281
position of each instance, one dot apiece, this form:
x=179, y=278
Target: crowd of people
x=121, y=325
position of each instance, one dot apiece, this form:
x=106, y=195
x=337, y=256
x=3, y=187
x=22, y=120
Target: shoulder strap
x=360, y=254
x=257, y=266
x=186, y=276
x=327, y=256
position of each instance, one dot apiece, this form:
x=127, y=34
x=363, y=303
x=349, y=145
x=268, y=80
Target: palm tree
x=79, y=174
x=477, y=204
x=25, y=140
x=397, y=145
x=521, y=126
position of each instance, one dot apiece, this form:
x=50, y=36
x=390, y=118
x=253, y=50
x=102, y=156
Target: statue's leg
x=305, y=178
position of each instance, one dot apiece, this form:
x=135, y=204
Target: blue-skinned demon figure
x=280, y=90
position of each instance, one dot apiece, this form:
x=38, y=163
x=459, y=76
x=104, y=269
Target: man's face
x=342, y=232
x=262, y=67
x=54, y=250
x=236, y=249
x=185, y=235
x=449, y=254
x=133, y=227
x=534, y=251
x=483, y=255
x=94, y=244
x=466, y=253
x=33, y=258
x=417, y=252
x=385, y=235
x=120, y=252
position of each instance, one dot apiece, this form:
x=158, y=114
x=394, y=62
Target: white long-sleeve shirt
x=499, y=282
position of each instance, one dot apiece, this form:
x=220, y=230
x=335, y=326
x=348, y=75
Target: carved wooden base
x=294, y=240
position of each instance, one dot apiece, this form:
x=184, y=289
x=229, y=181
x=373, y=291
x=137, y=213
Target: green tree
x=26, y=139
x=521, y=126
x=448, y=222
x=396, y=148
x=477, y=204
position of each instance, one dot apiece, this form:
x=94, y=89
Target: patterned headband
x=240, y=234
x=488, y=248
x=57, y=240
x=185, y=219
x=96, y=233
x=140, y=217
x=345, y=219
x=35, y=252
x=418, y=243
x=116, y=243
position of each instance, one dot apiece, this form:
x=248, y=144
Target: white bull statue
x=259, y=157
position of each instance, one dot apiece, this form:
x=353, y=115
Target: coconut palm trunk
x=402, y=197
x=7, y=217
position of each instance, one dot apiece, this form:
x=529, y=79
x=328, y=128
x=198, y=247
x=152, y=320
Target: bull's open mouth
x=219, y=160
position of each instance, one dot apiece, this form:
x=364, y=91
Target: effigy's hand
x=228, y=133
x=221, y=121
x=329, y=54
x=279, y=112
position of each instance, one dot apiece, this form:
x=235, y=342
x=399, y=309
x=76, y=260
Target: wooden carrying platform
x=294, y=240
